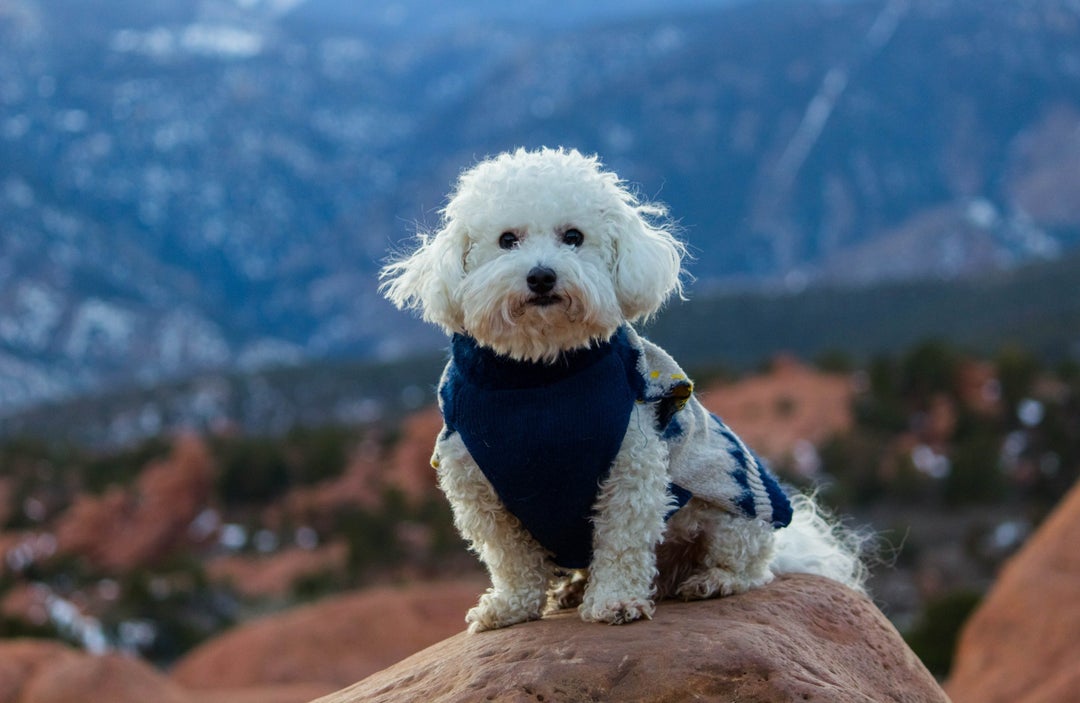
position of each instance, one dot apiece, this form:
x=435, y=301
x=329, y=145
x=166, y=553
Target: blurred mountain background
x=211, y=186
x=208, y=414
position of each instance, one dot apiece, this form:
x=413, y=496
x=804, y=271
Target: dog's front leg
x=629, y=523
x=518, y=565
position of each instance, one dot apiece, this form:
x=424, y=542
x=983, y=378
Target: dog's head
x=539, y=252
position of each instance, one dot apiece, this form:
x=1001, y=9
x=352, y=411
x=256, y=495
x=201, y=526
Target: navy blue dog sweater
x=546, y=434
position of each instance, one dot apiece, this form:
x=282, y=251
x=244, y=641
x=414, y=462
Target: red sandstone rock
x=369, y=474
x=411, y=471
x=274, y=575
x=290, y=693
x=360, y=484
x=290, y=658
x=33, y=671
x=774, y=411
x=1023, y=643
x=22, y=660
x=124, y=529
x=801, y=638
x=104, y=679
x=338, y=640
x=7, y=499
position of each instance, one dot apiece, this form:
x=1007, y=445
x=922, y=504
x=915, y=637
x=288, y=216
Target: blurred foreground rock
x=1023, y=643
x=801, y=638
x=288, y=658
x=36, y=671
x=337, y=640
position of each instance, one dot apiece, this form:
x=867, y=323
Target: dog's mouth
x=542, y=301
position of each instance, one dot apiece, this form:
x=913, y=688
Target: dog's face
x=539, y=252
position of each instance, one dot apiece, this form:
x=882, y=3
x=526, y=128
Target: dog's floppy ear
x=426, y=280
x=648, y=259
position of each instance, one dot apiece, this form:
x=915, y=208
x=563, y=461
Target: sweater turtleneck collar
x=486, y=368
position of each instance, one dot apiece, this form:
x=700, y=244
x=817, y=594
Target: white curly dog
x=579, y=465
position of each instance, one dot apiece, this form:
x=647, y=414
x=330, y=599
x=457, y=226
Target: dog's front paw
x=719, y=582
x=497, y=610
x=616, y=612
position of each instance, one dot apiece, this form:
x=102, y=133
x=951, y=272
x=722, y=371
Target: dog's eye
x=573, y=237
x=508, y=240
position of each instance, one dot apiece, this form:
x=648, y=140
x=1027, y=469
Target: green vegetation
x=923, y=433
x=934, y=636
x=12, y=628
x=178, y=601
x=939, y=431
x=254, y=470
x=46, y=475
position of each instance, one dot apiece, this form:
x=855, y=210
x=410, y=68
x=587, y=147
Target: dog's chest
x=545, y=436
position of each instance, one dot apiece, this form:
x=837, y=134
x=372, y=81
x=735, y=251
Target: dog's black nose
x=541, y=280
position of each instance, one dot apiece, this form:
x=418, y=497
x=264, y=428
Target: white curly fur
x=460, y=279
x=625, y=268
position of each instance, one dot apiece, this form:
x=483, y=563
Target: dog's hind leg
x=733, y=555
x=628, y=525
x=519, y=567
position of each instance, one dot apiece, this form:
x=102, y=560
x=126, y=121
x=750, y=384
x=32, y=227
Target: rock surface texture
x=1023, y=643
x=802, y=638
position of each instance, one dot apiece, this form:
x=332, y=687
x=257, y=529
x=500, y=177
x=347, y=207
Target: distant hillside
x=1035, y=308
x=267, y=402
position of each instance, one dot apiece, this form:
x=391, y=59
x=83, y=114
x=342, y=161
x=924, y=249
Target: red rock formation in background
x=289, y=658
x=360, y=485
x=7, y=499
x=411, y=471
x=1023, y=643
x=128, y=528
x=800, y=638
x=978, y=387
x=33, y=671
x=369, y=474
x=274, y=575
x=776, y=410
x=337, y=640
